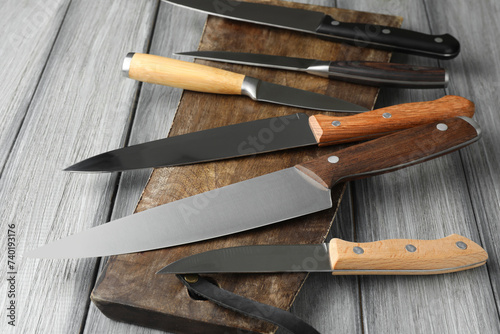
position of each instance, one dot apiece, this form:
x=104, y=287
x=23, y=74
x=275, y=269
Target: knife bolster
x=405, y=256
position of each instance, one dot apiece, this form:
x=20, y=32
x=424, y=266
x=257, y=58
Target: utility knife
x=360, y=72
x=385, y=257
x=324, y=26
x=267, y=199
x=201, y=78
x=286, y=132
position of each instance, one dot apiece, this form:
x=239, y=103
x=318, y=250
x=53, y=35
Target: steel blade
x=255, y=259
x=220, y=143
x=276, y=16
x=235, y=208
x=288, y=96
x=254, y=59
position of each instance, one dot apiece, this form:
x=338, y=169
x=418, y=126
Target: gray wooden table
x=63, y=99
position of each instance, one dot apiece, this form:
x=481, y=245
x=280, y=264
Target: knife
x=267, y=199
x=360, y=72
x=201, y=78
x=272, y=134
x=324, y=26
x=385, y=257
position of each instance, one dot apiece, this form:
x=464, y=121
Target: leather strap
x=201, y=287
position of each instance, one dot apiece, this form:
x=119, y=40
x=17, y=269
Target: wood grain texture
x=182, y=74
x=28, y=34
x=389, y=74
x=80, y=107
x=427, y=257
x=385, y=120
x=398, y=150
x=432, y=199
x=200, y=111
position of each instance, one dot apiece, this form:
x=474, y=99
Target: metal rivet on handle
x=442, y=127
x=386, y=115
x=438, y=40
x=410, y=248
x=358, y=250
x=461, y=245
x=333, y=159
x=386, y=31
x=336, y=123
x=191, y=278
x=335, y=23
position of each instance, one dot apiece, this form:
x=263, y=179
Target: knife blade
x=360, y=72
x=385, y=257
x=273, y=134
x=264, y=200
x=324, y=26
x=200, y=78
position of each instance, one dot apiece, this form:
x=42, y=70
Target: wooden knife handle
x=388, y=74
x=181, y=74
x=394, y=151
x=405, y=256
x=332, y=130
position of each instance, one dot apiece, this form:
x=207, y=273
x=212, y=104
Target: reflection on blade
x=235, y=208
x=214, y=144
x=255, y=259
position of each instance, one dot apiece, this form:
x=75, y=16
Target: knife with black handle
x=360, y=72
x=317, y=23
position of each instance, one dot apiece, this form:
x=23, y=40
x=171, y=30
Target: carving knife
x=264, y=200
x=385, y=257
x=324, y=26
x=360, y=72
x=273, y=134
x=201, y=78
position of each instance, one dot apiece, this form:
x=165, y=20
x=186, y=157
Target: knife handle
x=386, y=74
x=390, y=38
x=330, y=130
x=181, y=74
x=405, y=256
x=394, y=151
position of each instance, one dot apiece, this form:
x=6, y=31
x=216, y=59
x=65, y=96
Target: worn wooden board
x=128, y=290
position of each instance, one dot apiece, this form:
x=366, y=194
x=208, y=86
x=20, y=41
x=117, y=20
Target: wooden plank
x=128, y=290
x=176, y=29
x=426, y=201
x=80, y=108
x=479, y=66
x=29, y=29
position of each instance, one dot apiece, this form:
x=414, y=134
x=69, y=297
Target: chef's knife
x=272, y=134
x=385, y=257
x=267, y=199
x=201, y=78
x=360, y=34
x=361, y=72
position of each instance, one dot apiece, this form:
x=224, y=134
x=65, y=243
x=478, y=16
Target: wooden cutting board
x=128, y=289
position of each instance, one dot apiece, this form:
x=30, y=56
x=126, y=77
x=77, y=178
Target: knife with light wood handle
x=384, y=257
x=201, y=78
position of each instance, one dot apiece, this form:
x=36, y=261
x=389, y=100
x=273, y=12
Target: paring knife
x=273, y=134
x=360, y=72
x=385, y=257
x=201, y=78
x=267, y=199
x=324, y=26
